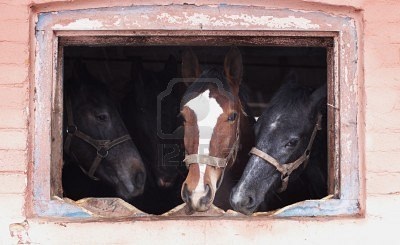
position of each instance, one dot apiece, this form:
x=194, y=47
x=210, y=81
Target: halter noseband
x=102, y=146
x=287, y=169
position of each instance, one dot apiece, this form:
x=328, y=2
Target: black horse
x=100, y=158
x=289, y=161
x=162, y=157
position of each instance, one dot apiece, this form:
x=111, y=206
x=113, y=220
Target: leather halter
x=216, y=161
x=287, y=169
x=102, y=146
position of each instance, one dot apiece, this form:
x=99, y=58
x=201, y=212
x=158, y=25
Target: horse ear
x=318, y=96
x=84, y=73
x=190, y=65
x=233, y=67
x=291, y=77
x=169, y=72
x=78, y=75
x=171, y=66
x=136, y=68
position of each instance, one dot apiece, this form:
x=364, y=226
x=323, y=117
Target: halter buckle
x=71, y=129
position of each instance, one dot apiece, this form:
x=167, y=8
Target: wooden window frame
x=190, y=25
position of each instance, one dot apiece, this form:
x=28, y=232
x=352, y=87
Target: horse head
x=212, y=114
x=96, y=138
x=285, y=133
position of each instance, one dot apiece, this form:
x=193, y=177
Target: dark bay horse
x=97, y=141
x=217, y=131
x=165, y=172
x=289, y=161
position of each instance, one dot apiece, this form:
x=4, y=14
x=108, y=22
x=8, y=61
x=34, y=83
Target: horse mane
x=244, y=98
x=214, y=73
x=291, y=96
x=201, y=84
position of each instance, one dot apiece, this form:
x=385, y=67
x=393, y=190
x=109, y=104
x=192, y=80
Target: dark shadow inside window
x=133, y=77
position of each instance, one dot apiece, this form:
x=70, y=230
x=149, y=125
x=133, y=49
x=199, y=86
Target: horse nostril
x=206, y=199
x=247, y=203
x=140, y=179
x=243, y=203
x=208, y=190
x=250, y=201
x=185, y=193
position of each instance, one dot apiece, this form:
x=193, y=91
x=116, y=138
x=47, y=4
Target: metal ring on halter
x=69, y=127
x=102, y=152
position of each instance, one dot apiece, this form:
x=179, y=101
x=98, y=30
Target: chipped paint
x=131, y=23
x=81, y=24
x=172, y=19
x=222, y=22
x=118, y=20
x=202, y=19
x=198, y=19
x=274, y=22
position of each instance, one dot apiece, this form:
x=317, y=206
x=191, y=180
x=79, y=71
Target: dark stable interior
x=265, y=69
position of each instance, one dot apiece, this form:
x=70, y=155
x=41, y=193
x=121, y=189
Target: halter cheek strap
x=287, y=169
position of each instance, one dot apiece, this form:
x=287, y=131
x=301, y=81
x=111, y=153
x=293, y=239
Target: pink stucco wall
x=380, y=59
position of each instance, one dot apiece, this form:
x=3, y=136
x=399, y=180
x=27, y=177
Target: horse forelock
x=288, y=106
x=291, y=95
x=211, y=79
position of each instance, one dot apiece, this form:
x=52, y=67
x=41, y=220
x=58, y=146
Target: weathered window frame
x=192, y=25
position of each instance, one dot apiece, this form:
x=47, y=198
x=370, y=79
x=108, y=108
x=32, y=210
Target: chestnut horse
x=218, y=131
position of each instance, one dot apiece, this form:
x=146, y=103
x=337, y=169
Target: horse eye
x=102, y=117
x=232, y=117
x=292, y=143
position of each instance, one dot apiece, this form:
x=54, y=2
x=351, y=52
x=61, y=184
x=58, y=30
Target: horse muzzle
x=199, y=201
x=243, y=202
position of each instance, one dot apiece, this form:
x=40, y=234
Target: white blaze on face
x=207, y=111
x=275, y=123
